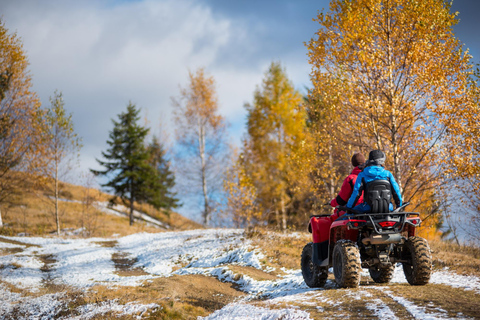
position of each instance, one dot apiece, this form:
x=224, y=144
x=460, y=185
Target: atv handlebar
x=400, y=209
x=348, y=210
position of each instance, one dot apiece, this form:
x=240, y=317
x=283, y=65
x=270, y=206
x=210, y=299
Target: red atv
x=376, y=240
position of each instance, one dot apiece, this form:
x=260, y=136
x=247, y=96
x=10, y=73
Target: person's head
x=376, y=157
x=357, y=159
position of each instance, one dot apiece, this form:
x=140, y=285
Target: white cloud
x=102, y=54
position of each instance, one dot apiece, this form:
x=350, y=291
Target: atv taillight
x=386, y=224
x=356, y=224
x=414, y=221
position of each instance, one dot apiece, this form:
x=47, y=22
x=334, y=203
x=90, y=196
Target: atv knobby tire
x=346, y=264
x=382, y=274
x=314, y=275
x=419, y=268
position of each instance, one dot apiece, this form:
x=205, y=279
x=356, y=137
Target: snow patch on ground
x=121, y=211
x=310, y=298
x=19, y=307
x=381, y=310
x=238, y=311
x=159, y=253
x=22, y=271
x=6, y=245
x=452, y=279
x=89, y=311
x=48, y=306
x=418, y=312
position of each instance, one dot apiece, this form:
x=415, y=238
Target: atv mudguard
x=319, y=226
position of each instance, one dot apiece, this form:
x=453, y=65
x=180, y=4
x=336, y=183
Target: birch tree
x=202, y=140
x=62, y=147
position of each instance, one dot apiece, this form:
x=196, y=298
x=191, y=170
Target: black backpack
x=378, y=194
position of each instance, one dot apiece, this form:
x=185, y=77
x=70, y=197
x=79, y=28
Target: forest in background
x=385, y=75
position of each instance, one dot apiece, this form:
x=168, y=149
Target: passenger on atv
x=358, y=162
x=374, y=171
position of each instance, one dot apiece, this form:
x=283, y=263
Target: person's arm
x=356, y=192
x=397, y=195
x=343, y=195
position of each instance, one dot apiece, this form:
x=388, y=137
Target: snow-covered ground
x=83, y=263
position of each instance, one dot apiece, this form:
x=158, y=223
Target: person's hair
x=377, y=157
x=358, y=159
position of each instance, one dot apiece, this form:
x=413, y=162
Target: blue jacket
x=371, y=173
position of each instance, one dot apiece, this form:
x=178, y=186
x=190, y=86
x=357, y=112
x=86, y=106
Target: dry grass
x=181, y=297
x=462, y=259
x=251, y=272
x=450, y=299
x=281, y=250
x=32, y=214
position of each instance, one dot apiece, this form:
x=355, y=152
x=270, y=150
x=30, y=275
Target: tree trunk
x=330, y=164
x=56, y=197
x=1, y=222
x=201, y=145
x=284, y=214
x=277, y=218
x=131, y=203
x=393, y=104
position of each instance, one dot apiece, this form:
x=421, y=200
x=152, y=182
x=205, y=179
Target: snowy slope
x=83, y=263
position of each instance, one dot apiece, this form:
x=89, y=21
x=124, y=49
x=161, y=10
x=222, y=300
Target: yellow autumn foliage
x=396, y=77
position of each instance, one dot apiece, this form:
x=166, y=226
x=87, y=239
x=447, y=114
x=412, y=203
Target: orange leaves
x=201, y=134
x=404, y=84
x=201, y=102
x=20, y=114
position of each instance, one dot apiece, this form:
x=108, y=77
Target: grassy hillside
x=32, y=213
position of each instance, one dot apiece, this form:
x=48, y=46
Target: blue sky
x=102, y=53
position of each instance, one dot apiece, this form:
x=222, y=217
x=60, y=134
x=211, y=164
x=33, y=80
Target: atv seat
x=378, y=195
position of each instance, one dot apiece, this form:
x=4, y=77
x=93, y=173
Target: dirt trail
x=188, y=274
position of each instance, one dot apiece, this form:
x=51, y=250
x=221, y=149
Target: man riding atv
x=372, y=235
x=374, y=170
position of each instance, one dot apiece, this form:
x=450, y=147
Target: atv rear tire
x=314, y=275
x=346, y=264
x=382, y=275
x=419, y=269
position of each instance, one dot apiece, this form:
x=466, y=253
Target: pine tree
x=131, y=176
x=162, y=195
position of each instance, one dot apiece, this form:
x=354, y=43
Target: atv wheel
x=346, y=264
x=314, y=275
x=419, y=268
x=382, y=275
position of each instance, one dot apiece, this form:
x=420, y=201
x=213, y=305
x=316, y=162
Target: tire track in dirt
x=123, y=261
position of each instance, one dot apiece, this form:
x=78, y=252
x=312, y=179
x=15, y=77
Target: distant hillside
x=84, y=212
